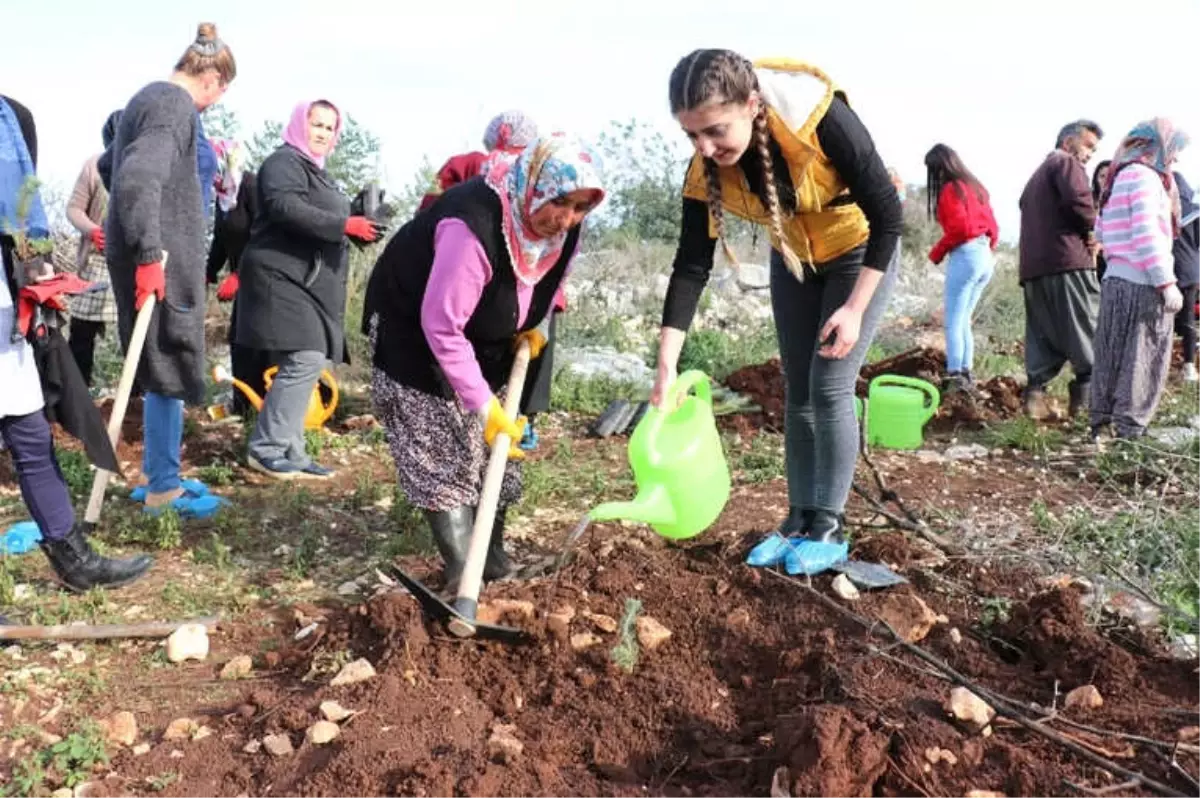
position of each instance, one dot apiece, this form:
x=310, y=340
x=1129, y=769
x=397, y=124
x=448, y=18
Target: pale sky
x=993, y=80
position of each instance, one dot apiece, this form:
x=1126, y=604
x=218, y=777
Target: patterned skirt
x=98, y=306
x=438, y=446
x=1133, y=356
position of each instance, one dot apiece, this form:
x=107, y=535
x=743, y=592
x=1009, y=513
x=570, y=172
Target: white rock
x=189, y=641
x=971, y=451
x=278, y=744
x=651, y=634
x=968, y=707
x=955, y=636
x=141, y=749
x=180, y=729
x=334, y=712
x=321, y=732
x=503, y=745
x=354, y=672
x=844, y=587
x=252, y=747
x=347, y=588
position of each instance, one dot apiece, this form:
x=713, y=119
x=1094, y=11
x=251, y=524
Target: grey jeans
x=1060, y=323
x=280, y=428
x=820, y=431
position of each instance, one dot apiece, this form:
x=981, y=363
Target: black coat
x=231, y=231
x=292, y=278
x=1187, y=245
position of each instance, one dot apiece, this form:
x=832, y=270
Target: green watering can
x=678, y=464
x=899, y=407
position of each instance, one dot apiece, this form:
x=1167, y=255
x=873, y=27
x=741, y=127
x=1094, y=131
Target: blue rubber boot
x=775, y=547
x=825, y=546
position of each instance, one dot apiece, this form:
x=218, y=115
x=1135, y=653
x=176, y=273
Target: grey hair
x=1077, y=128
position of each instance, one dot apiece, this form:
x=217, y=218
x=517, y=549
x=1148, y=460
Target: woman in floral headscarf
x=506, y=135
x=237, y=203
x=1139, y=219
x=454, y=292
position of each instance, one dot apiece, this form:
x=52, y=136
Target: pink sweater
x=1135, y=229
x=460, y=272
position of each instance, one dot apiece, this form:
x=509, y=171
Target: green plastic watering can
x=899, y=407
x=678, y=464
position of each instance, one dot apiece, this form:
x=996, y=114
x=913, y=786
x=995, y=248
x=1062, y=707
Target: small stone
x=605, y=623
x=321, y=732
x=985, y=794
x=503, y=745
x=201, y=733
x=908, y=615
x=89, y=789
x=246, y=711
x=354, y=672
x=651, y=634
x=237, y=668
x=48, y=739
x=845, y=588
x=334, y=712
x=936, y=755
x=120, y=728
x=584, y=640
x=970, y=708
x=63, y=792
x=179, y=729
x=189, y=641
x=252, y=747
x=141, y=749
x=176, y=754
x=559, y=621
x=1086, y=696
x=347, y=588
x=955, y=636
x=738, y=619
x=514, y=608
x=278, y=744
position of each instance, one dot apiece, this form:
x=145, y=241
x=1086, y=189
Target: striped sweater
x=1135, y=228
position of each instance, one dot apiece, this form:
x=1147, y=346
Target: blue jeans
x=162, y=437
x=968, y=272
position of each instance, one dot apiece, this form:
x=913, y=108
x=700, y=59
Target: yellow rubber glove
x=536, y=339
x=497, y=421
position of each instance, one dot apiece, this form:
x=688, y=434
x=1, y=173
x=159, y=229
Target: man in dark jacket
x=1058, y=268
x=1187, y=274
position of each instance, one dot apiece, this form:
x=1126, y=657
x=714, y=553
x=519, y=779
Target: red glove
x=361, y=227
x=97, y=236
x=228, y=287
x=149, y=279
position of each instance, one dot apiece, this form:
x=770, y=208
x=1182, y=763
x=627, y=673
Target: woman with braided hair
x=777, y=144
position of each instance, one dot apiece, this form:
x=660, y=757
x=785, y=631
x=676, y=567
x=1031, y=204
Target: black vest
x=397, y=285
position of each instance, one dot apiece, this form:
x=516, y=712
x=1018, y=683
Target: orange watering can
x=678, y=464
x=318, y=410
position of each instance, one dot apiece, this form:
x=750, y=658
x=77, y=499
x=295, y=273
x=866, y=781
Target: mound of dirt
x=756, y=684
x=993, y=400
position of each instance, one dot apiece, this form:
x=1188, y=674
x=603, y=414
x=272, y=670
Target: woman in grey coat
x=156, y=210
x=292, y=284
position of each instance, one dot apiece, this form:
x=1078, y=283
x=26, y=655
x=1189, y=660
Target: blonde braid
x=762, y=138
x=713, y=175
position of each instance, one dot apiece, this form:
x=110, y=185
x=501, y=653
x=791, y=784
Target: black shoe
x=1080, y=397
x=827, y=527
x=499, y=565
x=80, y=567
x=452, y=533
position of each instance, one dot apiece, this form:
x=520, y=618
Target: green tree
x=643, y=172
x=406, y=201
x=220, y=122
x=352, y=164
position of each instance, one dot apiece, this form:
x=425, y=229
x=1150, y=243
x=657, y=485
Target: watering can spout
x=651, y=506
x=220, y=374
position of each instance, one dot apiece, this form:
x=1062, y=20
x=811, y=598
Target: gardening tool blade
x=869, y=574
x=444, y=612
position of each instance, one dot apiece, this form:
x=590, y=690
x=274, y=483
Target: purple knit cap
x=510, y=131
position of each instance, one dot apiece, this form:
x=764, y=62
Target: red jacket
x=962, y=219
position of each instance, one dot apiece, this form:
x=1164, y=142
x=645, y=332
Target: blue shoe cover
x=811, y=557
x=192, y=507
x=192, y=487
x=772, y=550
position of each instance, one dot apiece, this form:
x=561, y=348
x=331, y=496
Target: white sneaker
x=1190, y=373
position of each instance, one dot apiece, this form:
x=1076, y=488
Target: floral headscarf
x=510, y=131
x=549, y=168
x=231, y=166
x=1154, y=143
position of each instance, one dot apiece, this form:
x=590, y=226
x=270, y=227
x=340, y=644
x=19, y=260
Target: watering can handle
x=657, y=417
x=931, y=391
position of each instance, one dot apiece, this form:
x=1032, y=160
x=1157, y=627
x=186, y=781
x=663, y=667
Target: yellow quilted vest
x=817, y=233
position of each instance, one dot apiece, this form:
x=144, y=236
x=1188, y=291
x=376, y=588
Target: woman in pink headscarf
x=292, y=284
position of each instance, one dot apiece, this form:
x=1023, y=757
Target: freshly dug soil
x=993, y=400
x=756, y=676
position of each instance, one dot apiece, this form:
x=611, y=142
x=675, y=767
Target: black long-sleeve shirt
x=851, y=151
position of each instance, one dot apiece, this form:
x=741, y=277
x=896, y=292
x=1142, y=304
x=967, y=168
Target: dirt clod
x=503, y=745
x=908, y=615
x=605, y=623
x=237, y=668
x=120, y=728
x=650, y=633
x=559, y=621
x=180, y=729
x=584, y=640
x=1084, y=697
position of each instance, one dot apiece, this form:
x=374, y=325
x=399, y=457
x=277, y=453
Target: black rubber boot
x=1080, y=398
x=827, y=527
x=498, y=565
x=452, y=533
x=80, y=567
x=798, y=522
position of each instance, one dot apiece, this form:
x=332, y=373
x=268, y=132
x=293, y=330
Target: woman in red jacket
x=969, y=236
